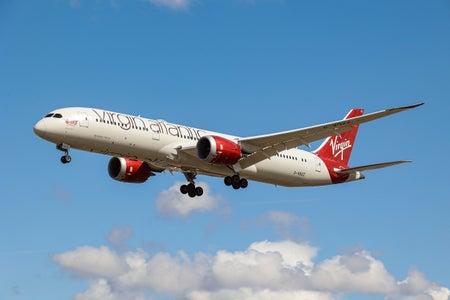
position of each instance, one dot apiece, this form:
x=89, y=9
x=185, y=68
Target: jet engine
x=129, y=170
x=218, y=150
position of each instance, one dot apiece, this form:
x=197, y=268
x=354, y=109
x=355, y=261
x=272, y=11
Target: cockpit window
x=53, y=115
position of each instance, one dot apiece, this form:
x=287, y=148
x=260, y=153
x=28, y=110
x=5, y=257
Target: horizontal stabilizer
x=370, y=167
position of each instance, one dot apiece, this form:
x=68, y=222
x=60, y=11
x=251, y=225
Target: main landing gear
x=236, y=182
x=190, y=188
x=65, y=148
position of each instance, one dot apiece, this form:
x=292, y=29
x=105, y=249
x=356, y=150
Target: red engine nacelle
x=129, y=170
x=218, y=150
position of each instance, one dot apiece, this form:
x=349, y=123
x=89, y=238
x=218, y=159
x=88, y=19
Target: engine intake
x=218, y=150
x=129, y=170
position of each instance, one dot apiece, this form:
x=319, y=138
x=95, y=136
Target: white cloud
x=92, y=262
x=287, y=225
x=119, y=236
x=165, y=273
x=247, y=268
x=358, y=272
x=101, y=289
x=265, y=270
x=262, y=294
x=416, y=287
x=294, y=255
x=172, y=4
x=171, y=203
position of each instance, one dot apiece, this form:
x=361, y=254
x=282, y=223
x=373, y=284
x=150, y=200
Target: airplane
x=141, y=147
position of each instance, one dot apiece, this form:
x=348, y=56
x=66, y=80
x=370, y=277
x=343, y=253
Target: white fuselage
x=156, y=142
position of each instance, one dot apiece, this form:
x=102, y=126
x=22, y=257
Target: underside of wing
x=259, y=148
x=370, y=167
x=187, y=150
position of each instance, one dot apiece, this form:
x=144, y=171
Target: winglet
x=405, y=107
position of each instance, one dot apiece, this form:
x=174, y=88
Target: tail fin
x=337, y=148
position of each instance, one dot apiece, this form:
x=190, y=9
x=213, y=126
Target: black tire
x=236, y=186
x=191, y=194
x=243, y=183
x=66, y=159
x=235, y=180
x=227, y=180
x=184, y=189
x=191, y=189
x=199, y=191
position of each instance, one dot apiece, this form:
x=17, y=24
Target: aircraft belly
x=278, y=173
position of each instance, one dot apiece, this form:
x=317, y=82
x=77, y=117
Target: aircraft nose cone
x=40, y=128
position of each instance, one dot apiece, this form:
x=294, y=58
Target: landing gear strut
x=65, y=148
x=236, y=182
x=190, y=188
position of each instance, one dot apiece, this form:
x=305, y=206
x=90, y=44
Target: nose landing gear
x=66, y=158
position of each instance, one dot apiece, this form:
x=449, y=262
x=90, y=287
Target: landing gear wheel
x=198, y=191
x=66, y=159
x=227, y=180
x=243, y=183
x=184, y=189
x=235, y=180
x=65, y=148
x=190, y=188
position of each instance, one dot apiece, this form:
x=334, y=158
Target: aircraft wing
x=370, y=167
x=262, y=147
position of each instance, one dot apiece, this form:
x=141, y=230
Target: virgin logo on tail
x=339, y=148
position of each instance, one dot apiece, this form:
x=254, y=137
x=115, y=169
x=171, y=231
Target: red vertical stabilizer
x=335, y=151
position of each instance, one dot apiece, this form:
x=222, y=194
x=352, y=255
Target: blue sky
x=244, y=68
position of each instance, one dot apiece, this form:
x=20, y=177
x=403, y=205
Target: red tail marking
x=336, y=149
